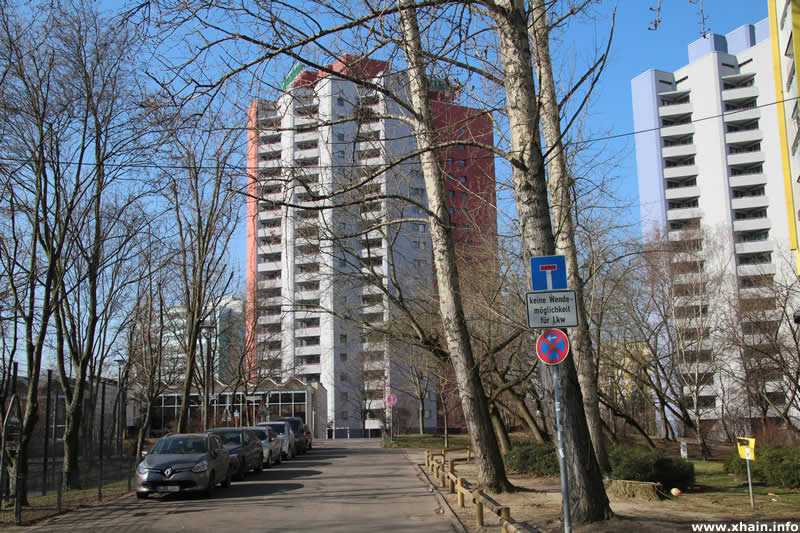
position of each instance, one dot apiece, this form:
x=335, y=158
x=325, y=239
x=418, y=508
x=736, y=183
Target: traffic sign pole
x=562, y=461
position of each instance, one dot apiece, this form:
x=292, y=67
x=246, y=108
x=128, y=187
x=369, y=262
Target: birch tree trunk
x=491, y=472
x=561, y=203
x=588, y=500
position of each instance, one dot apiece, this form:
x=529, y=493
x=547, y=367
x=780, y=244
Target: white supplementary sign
x=552, y=309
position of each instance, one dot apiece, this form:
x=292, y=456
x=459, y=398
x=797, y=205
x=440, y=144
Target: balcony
x=675, y=109
x=755, y=270
x=678, y=151
x=739, y=93
x=747, y=179
x=674, y=193
x=749, y=202
x=743, y=136
x=754, y=247
x=677, y=131
x=751, y=224
x=742, y=115
x=681, y=214
x=681, y=171
x=745, y=158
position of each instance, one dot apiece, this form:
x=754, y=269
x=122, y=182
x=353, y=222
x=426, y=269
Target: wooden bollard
x=460, y=491
x=505, y=514
x=476, y=497
x=443, y=477
x=427, y=459
x=451, y=471
x=469, y=454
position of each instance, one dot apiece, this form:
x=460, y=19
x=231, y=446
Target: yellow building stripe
x=777, y=53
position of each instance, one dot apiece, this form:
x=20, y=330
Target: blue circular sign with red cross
x=552, y=346
x=391, y=399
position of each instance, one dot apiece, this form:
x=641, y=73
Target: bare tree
x=200, y=184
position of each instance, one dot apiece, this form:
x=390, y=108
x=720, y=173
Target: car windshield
x=280, y=429
x=180, y=445
x=260, y=433
x=231, y=437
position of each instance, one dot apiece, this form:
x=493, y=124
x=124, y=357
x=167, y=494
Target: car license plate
x=168, y=488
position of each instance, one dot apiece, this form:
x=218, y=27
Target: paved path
x=340, y=486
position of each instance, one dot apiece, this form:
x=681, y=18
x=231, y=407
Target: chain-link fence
x=106, y=461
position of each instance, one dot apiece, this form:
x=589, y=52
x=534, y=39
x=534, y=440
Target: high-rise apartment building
x=314, y=271
x=716, y=175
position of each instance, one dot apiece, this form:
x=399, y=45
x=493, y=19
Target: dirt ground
x=537, y=503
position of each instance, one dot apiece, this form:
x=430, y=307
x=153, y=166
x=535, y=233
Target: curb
x=451, y=515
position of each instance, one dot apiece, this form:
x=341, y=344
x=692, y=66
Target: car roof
x=225, y=430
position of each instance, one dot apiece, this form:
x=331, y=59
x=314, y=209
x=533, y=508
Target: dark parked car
x=184, y=463
x=244, y=447
x=299, y=429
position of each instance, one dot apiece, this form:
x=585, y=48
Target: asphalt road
x=339, y=486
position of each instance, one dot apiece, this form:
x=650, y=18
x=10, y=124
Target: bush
x=539, y=459
x=647, y=464
x=774, y=465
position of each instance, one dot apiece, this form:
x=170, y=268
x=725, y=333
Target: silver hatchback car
x=189, y=462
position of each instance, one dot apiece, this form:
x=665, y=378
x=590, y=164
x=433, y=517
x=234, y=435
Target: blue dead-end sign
x=548, y=273
x=552, y=346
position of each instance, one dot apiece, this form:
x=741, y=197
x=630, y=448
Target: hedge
x=539, y=459
x=647, y=464
x=774, y=465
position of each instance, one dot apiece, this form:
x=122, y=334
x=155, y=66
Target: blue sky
x=635, y=49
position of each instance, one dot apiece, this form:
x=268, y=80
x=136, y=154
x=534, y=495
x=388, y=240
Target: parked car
x=244, y=447
x=270, y=443
x=297, y=426
x=286, y=436
x=185, y=462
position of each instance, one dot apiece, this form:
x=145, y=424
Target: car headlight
x=202, y=466
x=142, y=468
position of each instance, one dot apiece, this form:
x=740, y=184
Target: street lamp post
x=120, y=407
x=206, y=372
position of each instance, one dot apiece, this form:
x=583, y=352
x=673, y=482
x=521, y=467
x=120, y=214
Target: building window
x=340, y=137
x=450, y=160
x=342, y=338
x=463, y=179
x=339, y=100
x=427, y=413
x=461, y=131
x=462, y=162
x=462, y=147
x=339, y=153
x=420, y=228
x=344, y=378
x=463, y=195
x=344, y=415
x=343, y=396
x=451, y=194
x=417, y=191
x=452, y=210
x=343, y=357
x=419, y=263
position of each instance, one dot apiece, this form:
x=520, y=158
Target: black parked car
x=244, y=447
x=299, y=429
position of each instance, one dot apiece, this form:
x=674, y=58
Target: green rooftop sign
x=289, y=78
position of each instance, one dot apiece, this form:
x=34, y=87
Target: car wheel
x=141, y=495
x=268, y=462
x=212, y=484
x=260, y=464
x=228, y=478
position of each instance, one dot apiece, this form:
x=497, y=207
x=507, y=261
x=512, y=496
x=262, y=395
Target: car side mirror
x=144, y=453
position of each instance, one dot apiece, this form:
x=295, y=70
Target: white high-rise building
x=715, y=173
x=307, y=298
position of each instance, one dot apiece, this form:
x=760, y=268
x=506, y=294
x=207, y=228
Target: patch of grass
x=428, y=442
x=719, y=492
